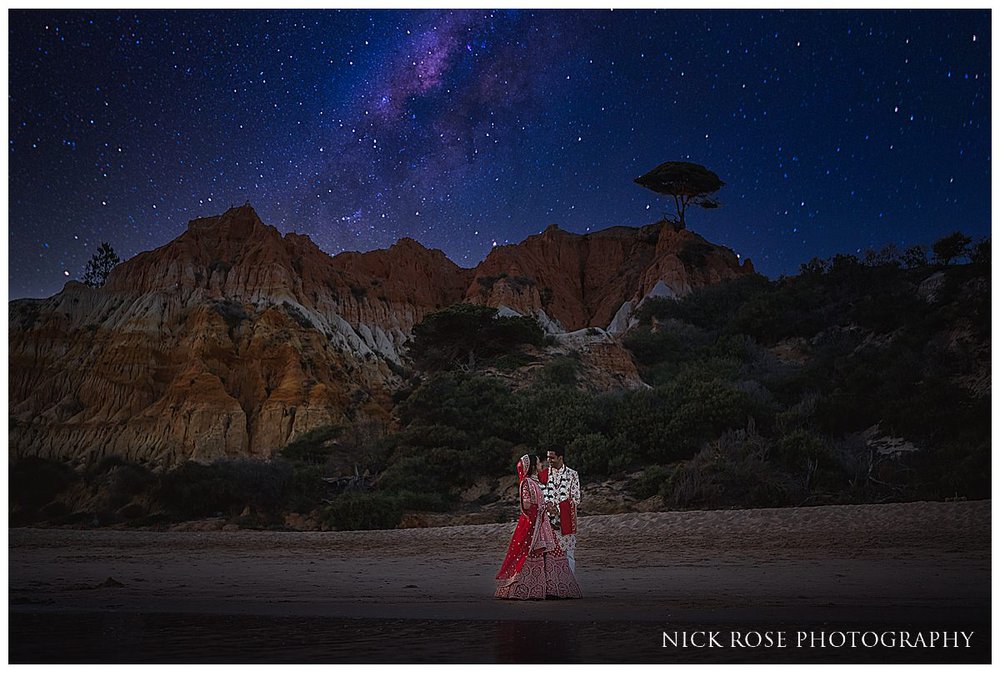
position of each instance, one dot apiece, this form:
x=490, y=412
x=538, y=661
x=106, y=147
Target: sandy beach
x=427, y=594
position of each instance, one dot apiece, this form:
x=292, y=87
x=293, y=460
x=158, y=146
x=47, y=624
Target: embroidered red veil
x=520, y=541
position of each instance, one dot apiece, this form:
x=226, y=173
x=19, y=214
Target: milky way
x=834, y=131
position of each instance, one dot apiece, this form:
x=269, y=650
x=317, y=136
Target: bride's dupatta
x=529, y=535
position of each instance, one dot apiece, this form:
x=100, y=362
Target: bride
x=535, y=565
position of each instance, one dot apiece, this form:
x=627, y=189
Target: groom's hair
x=559, y=451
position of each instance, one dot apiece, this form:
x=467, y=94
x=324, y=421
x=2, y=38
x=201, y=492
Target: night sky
x=834, y=131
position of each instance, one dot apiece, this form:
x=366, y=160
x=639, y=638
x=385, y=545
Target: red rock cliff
x=232, y=340
x=598, y=279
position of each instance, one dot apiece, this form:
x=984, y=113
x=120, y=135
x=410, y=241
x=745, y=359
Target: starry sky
x=834, y=131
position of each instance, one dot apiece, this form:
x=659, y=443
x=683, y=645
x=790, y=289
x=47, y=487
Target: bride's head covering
x=523, y=465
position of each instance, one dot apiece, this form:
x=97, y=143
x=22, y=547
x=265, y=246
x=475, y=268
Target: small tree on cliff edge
x=951, y=247
x=100, y=265
x=688, y=183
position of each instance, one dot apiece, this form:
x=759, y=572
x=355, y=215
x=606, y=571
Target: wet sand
x=425, y=595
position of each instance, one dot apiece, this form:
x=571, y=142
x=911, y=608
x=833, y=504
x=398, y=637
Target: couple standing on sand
x=540, y=558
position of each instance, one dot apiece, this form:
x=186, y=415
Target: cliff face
x=232, y=340
x=599, y=279
x=364, y=302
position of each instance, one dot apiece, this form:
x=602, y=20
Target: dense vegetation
x=856, y=380
x=467, y=335
x=883, y=341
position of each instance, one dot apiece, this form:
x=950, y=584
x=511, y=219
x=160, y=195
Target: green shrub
x=511, y=361
x=798, y=415
x=561, y=371
x=305, y=488
x=227, y=486
x=470, y=334
x=980, y=253
x=314, y=447
x=649, y=482
x=950, y=247
x=732, y=471
x=596, y=456
x=644, y=417
x=709, y=307
x=259, y=484
x=95, y=470
x=362, y=511
x=438, y=470
x=709, y=370
x=590, y=456
x=36, y=481
x=711, y=405
x=955, y=469
x=766, y=316
x=192, y=490
x=623, y=455
x=549, y=416
x=805, y=453
x=428, y=436
x=670, y=422
x=493, y=455
x=125, y=481
x=650, y=348
x=478, y=405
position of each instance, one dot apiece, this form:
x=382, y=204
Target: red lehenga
x=535, y=565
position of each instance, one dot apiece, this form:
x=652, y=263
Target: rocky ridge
x=232, y=340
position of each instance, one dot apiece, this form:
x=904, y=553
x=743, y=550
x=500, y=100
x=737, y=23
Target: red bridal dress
x=535, y=565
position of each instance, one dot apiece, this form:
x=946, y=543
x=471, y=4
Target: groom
x=561, y=487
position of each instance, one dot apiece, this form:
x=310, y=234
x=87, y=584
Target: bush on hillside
x=36, y=481
x=468, y=335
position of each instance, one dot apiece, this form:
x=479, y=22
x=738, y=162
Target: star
x=465, y=120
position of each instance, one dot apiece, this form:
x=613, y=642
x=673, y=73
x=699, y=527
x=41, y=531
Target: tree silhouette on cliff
x=96, y=272
x=688, y=183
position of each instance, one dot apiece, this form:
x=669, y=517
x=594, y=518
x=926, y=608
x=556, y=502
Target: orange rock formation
x=232, y=340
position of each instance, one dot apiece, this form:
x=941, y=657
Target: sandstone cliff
x=232, y=340
x=571, y=281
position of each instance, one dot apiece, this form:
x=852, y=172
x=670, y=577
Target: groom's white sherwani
x=563, y=484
